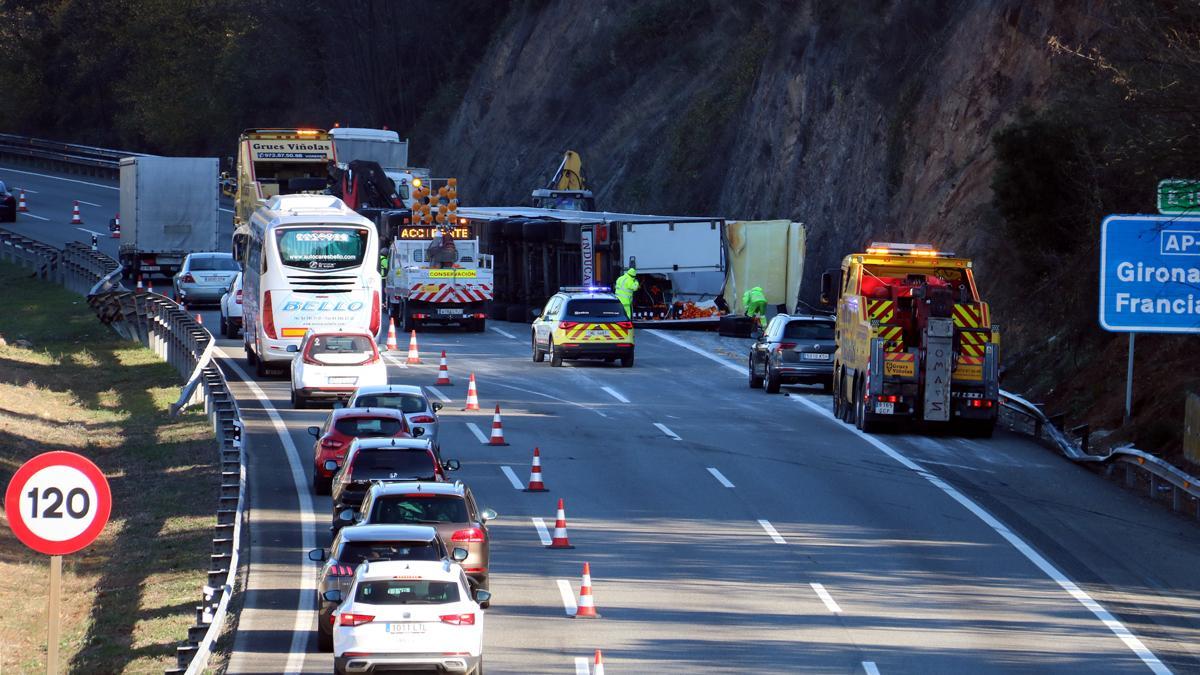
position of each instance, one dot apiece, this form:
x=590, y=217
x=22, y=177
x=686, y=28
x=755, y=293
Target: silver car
x=204, y=277
x=420, y=412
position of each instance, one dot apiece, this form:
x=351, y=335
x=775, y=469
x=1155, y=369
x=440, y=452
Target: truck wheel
x=260, y=368
x=627, y=361
x=407, y=325
x=555, y=356
x=324, y=640
x=538, y=355
x=478, y=325
x=858, y=405
x=224, y=327
x=756, y=382
x=978, y=428
x=772, y=381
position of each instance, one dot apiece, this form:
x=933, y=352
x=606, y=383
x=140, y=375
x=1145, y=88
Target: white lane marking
x=504, y=333
x=478, y=434
x=581, y=666
x=615, y=394
x=21, y=189
x=90, y=203
x=568, y=597
x=552, y=398
x=663, y=428
x=69, y=180
x=1118, y=629
x=84, y=229
x=395, y=361
x=543, y=533
x=869, y=668
x=720, y=477
x=222, y=208
x=826, y=598
x=771, y=531
x=512, y=477
x=306, y=614
x=438, y=393
x=26, y=213
x=694, y=348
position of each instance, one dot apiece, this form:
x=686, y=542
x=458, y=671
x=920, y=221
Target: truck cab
x=914, y=341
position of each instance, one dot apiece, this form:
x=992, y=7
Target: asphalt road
x=731, y=531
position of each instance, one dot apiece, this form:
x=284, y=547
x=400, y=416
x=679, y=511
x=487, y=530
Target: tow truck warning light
x=888, y=248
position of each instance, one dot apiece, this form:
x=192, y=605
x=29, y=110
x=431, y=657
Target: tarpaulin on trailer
x=766, y=253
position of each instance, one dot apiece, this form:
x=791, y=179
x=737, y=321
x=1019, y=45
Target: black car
x=369, y=543
x=8, y=205
x=793, y=350
x=382, y=459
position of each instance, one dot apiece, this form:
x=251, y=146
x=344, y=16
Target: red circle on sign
x=16, y=518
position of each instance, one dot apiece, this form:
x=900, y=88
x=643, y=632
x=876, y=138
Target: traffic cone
x=535, y=474
x=587, y=604
x=443, y=373
x=76, y=219
x=472, y=395
x=497, y=429
x=149, y=286
x=21, y=205
x=560, y=539
x=391, y=339
x=598, y=664
x=414, y=356
x=199, y=319
x=139, y=283
x=116, y=229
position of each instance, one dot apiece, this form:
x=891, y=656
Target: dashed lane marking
x=31, y=215
x=395, y=361
x=552, y=398
x=478, y=434
x=226, y=210
x=512, y=478
x=91, y=232
x=438, y=393
x=543, y=533
x=581, y=666
x=694, y=348
x=504, y=333
x=21, y=189
x=91, y=203
x=568, y=597
x=720, y=477
x=826, y=598
x=869, y=668
x=663, y=428
x=615, y=394
x=771, y=531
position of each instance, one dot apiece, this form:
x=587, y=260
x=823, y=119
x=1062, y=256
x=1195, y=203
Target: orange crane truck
x=914, y=340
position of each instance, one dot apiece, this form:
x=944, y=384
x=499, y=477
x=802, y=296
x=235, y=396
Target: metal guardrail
x=87, y=158
x=1140, y=468
x=172, y=333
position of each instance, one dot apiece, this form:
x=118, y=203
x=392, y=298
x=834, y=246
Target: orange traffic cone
x=414, y=356
x=391, y=339
x=443, y=373
x=587, y=604
x=535, y=474
x=598, y=664
x=139, y=283
x=199, y=319
x=76, y=219
x=497, y=429
x=116, y=228
x=21, y=205
x=472, y=395
x=149, y=286
x=560, y=539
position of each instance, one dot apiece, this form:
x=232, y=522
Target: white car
x=332, y=364
x=419, y=411
x=231, y=308
x=408, y=614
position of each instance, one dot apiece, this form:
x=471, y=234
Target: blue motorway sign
x=1150, y=274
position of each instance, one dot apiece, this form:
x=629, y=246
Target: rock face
x=867, y=120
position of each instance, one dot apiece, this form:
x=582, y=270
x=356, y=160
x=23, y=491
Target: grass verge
x=68, y=383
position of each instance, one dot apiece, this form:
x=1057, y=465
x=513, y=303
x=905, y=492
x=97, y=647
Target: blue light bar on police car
x=585, y=289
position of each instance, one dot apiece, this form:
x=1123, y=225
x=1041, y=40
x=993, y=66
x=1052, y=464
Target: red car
x=343, y=426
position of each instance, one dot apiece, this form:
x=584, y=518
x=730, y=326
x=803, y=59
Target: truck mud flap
x=939, y=359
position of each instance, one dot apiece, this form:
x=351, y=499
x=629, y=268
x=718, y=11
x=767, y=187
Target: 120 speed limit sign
x=57, y=503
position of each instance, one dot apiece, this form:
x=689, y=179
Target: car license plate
x=809, y=356
x=597, y=333
x=343, y=380
x=217, y=279
x=406, y=627
x=885, y=408
x=453, y=311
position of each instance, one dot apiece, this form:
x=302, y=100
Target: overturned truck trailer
x=537, y=251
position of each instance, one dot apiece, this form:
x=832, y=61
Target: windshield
x=404, y=463
x=322, y=248
x=424, y=509
x=213, y=263
x=408, y=403
x=606, y=310
x=808, y=330
x=366, y=427
x=341, y=349
x=355, y=552
x=399, y=592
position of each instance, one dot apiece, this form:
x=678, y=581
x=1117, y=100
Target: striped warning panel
x=968, y=316
x=973, y=342
x=881, y=310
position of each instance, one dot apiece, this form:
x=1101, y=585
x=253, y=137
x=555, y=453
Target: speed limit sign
x=57, y=503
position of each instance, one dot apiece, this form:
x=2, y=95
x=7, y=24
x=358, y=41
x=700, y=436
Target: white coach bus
x=308, y=261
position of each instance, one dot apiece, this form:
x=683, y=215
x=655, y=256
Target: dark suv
x=371, y=460
x=793, y=350
x=354, y=545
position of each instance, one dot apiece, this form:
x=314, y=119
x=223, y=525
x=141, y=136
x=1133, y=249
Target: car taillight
x=238, y=297
x=423, y=419
x=568, y=324
x=268, y=316
x=785, y=345
x=470, y=535
x=332, y=443
x=351, y=619
x=458, y=619
x=375, y=313
x=891, y=398
x=980, y=403
x=626, y=324
x=188, y=278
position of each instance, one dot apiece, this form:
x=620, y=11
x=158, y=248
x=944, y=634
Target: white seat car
x=419, y=411
x=332, y=364
x=408, y=614
x=231, y=308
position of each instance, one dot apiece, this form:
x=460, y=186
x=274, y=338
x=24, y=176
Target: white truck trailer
x=169, y=208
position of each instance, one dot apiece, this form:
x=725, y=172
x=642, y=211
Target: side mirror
x=483, y=597
x=315, y=432
x=827, y=288
x=334, y=596
x=536, y=313
x=292, y=349
x=437, y=406
x=317, y=555
x=346, y=516
x=488, y=515
x=418, y=432
x=451, y=465
x=459, y=554
x=330, y=465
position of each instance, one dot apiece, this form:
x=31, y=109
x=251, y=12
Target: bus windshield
x=322, y=248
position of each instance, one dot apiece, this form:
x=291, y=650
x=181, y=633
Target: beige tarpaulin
x=767, y=253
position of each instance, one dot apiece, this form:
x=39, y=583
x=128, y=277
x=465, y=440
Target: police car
x=583, y=322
